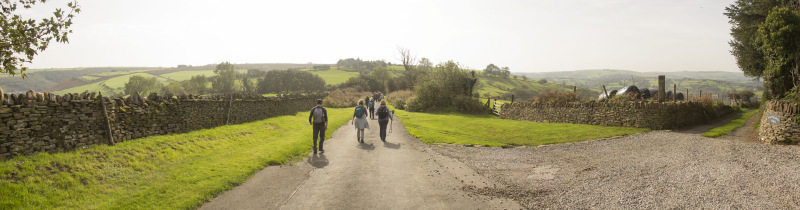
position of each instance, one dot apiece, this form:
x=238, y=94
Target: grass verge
x=457, y=128
x=730, y=126
x=177, y=171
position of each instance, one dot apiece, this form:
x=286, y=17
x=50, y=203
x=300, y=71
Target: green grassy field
x=107, y=87
x=177, y=171
x=334, y=76
x=730, y=126
x=456, y=128
x=186, y=75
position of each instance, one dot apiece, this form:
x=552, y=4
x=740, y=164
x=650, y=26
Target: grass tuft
x=730, y=126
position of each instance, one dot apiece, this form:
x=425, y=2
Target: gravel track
x=659, y=169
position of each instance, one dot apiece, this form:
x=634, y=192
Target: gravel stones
x=660, y=169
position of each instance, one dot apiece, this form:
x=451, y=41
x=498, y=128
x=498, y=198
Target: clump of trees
x=766, y=43
x=198, y=84
x=448, y=86
x=360, y=65
x=290, y=81
x=493, y=70
x=142, y=85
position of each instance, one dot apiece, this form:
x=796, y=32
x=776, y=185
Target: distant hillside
x=711, y=82
x=610, y=73
x=94, y=78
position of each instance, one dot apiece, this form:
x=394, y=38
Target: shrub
x=447, y=87
x=706, y=100
x=347, y=97
x=556, y=96
x=401, y=98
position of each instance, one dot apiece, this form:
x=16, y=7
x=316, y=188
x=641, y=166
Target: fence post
x=604, y=90
x=574, y=89
x=687, y=94
x=701, y=93
x=662, y=88
x=512, y=98
x=674, y=92
x=108, y=122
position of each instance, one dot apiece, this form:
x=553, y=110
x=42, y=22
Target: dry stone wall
x=638, y=114
x=43, y=122
x=779, y=123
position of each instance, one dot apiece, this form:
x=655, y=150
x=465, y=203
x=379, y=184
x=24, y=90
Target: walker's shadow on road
x=391, y=146
x=366, y=146
x=318, y=161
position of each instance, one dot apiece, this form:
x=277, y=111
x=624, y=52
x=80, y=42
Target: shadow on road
x=366, y=146
x=391, y=146
x=318, y=161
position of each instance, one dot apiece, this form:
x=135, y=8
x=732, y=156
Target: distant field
x=496, y=87
x=108, y=87
x=186, y=75
x=334, y=76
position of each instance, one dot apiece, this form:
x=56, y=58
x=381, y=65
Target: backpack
x=371, y=104
x=383, y=112
x=318, y=115
x=359, y=111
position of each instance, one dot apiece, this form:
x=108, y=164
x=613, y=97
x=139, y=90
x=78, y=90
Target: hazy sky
x=526, y=36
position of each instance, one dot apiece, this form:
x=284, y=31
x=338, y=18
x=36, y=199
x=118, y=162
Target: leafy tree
x=175, y=88
x=780, y=36
x=23, y=38
x=197, y=85
x=491, y=70
x=255, y=73
x=746, y=16
x=542, y=81
x=448, y=86
x=143, y=85
x=425, y=64
x=225, y=79
x=407, y=79
x=288, y=81
x=381, y=74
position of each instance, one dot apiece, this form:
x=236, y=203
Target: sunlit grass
x=730, y=126
x=178, y=171
x=186, y=75
x=335, y=76
x=457, y=128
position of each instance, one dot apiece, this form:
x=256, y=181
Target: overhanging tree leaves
x=780, y=37
x=23, y=38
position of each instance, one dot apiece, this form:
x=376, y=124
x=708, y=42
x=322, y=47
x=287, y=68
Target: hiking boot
x=321, y=151
x=315, y=151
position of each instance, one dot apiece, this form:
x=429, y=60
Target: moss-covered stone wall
x=636, y=114
x=779, y=123
x=42, y=122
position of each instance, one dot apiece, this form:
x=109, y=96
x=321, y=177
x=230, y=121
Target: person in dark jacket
x=319, y=120
x=371, y=107
x=384, y=115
